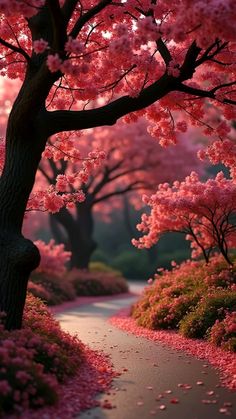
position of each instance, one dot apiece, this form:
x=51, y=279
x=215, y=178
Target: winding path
x=149, y=370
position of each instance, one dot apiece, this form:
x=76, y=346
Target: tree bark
x=18, y=255
x=79, y=229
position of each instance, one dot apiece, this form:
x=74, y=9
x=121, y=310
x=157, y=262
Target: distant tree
x=204, y=211
x=135, y=166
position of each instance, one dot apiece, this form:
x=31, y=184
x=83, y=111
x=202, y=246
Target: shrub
x=66, y=350
x=172, y=295
x=167, y=313
x=34, y=358
x=223, y=333
x=103, y=267
x=192, y=297
x=23, y=383
x=133, y=264
x=39, y=291
x=210, y=309
x=47, y=281
x=96, y=283
x=53, y=258
x=55, y=289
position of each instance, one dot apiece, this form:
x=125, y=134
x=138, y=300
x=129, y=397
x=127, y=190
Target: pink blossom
x=40, y=45
x=54, y=63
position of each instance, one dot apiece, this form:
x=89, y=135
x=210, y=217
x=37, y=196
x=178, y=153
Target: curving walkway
x=149, y=370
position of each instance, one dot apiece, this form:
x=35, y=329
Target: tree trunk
x=79, y=229
x=18, y=255
x=58, y=235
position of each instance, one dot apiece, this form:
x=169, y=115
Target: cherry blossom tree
x=137, y=165
x=204, y=211
x=88, y=63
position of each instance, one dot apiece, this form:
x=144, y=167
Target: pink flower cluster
x=40, y=46
x=123, y=54
x=221, y=151
x=28, y=9
x=58, y=194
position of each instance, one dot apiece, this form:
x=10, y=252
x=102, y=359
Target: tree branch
x=164, y=52
x=15, y=49
x=204, y=93
x=57, y=121
x=44, y=173
x=68, y=9
x=132, y=187
x=188, y=67
x=87, y=16
x=58, y=24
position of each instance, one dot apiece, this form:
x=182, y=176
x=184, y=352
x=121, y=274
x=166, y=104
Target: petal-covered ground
x=222, y=360
x=156, y=380
x=94, y=376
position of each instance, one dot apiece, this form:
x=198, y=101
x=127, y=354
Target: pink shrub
x=23, y=382
x=53, y=258
x=47, y=281
x=39, y=291
x=223, y=333
x=66, y=350
x=33, y=359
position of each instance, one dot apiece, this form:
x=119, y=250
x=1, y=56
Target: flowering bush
x=191, y=297
x=102, y=267
x=97, y=283
x=223, y=333
x=168, y=312
x=54, y=285
x=23, y=383
x=53, y=258
x=34, y=358
x=46, y=281
x=65, y=349
x=210, y=309
x=39, y=291
x=52, y=289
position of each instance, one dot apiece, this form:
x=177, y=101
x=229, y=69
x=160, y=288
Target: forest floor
x=155, y=381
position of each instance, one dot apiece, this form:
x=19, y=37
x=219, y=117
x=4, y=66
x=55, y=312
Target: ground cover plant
x=35, y=359
x=197, y=299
